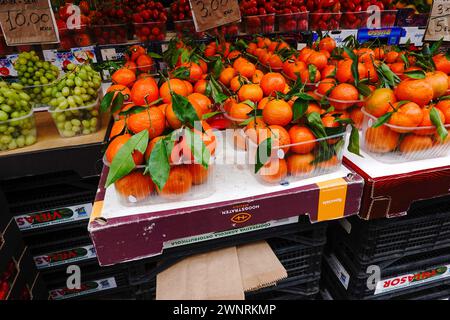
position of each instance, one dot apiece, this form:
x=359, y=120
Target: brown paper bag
x=209, y=276
x=259, y=266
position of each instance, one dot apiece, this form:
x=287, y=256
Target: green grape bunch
x=17, y=125
x=74, y=101
x=35, y=75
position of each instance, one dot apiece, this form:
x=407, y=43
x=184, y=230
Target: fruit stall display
x=117, y=21
x=299, y=113
x=293, y=104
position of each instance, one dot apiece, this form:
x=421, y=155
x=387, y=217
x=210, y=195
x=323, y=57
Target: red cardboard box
x=390, y=189
x=123, y=234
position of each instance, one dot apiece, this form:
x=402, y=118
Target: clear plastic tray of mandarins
x=149, y=68
x=292, y=22
x=237, y=115
x=186, y=181
x=244, y=146
x=394, y=144
x=294, y=162
x=340, y=104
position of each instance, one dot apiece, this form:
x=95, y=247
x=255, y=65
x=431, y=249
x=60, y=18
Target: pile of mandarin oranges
x=269, y=90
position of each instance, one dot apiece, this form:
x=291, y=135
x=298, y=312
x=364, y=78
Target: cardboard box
x=123, y=234
x=390, y=189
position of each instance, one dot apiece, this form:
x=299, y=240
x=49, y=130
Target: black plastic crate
x=58, y=277
x=60, y=239
x=355, y=274
x=145, y=291
x=38, y=206
x=92, y=278
x=299, y=246
x=300, y=261
x=58, y=249
x=332, y=289
x=122, y=294
x=425, y=228
x=303, y=290
x=288, y=289
x=127, y=293
x=38, y=193
x=441, y=292
x=38, y=289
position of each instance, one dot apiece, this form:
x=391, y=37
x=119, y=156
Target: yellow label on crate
x=96, y=210
x=332, y=196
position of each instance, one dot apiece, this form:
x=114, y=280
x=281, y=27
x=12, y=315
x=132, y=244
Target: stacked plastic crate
x=52, y=212
x=299, y=247
x=399, y=258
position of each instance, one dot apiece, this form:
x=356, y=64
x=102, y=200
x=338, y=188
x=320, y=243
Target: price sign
x=27, y=22
x=439, y=22
x=208, y=14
